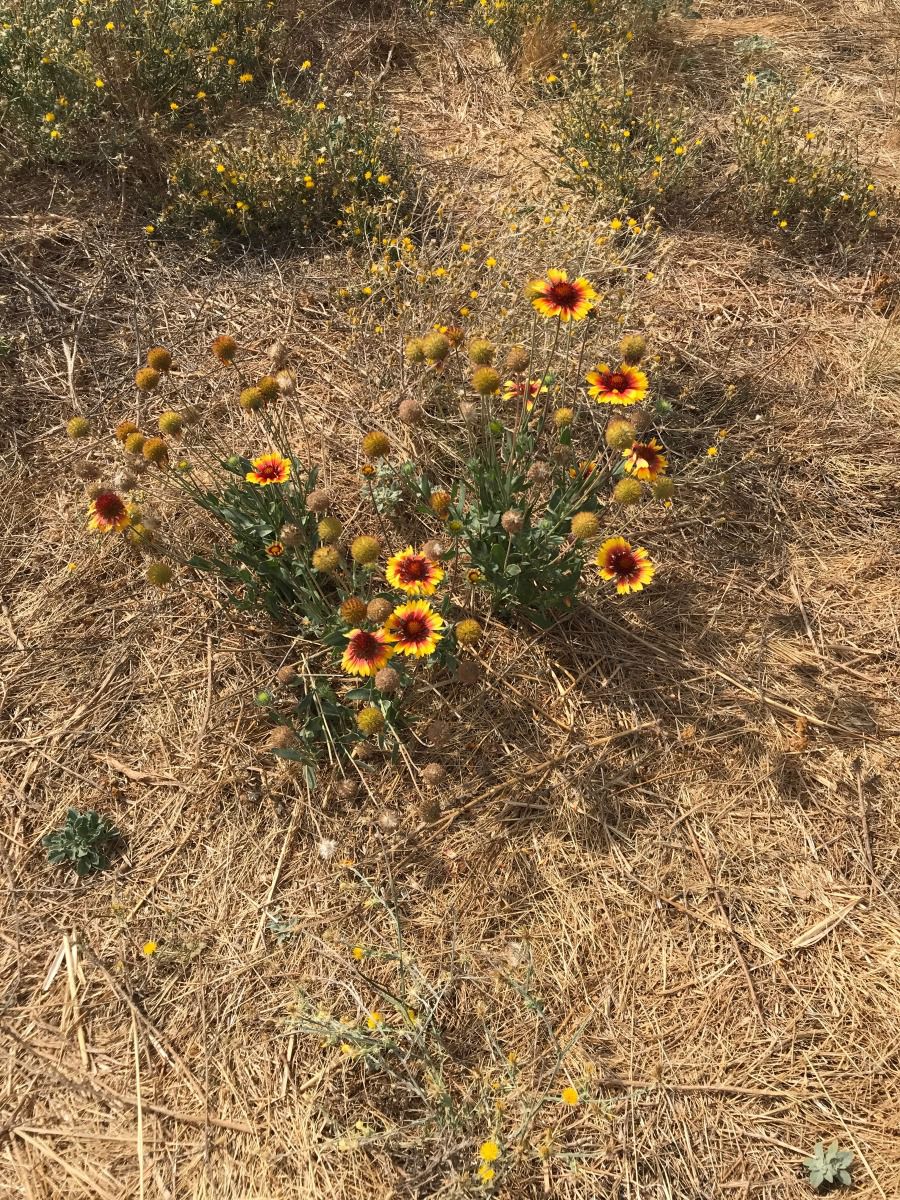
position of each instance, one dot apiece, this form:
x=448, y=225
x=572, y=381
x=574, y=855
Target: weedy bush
x=113, y=77
x=305, y=172
x=614, y=148
x=480, y=1110
x=83, y=843
x=829, y=1166
x=795, y=178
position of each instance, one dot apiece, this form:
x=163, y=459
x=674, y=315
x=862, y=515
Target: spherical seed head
x=481, y=352
x=512, y=521
x=411, y=412
x=277, y=354
x=135, y=443
x=415, y=350
x=379, y=609
x=469, y=672
x=439, y=503
x=329, y=529
x=470, y=413
x=627, y=491
x=632, y=348
x=517, y=360
x=376, y=444
x=563, y=417
x=124, y=429
x=125, y=482
x=159, y=574
x=171, y=424
x=365, y=550
x=430, y=809
x=663, y=488
x=251, y=399
x=290, y=536
x=318, y=501
x=468, y=631
x=326, y=559
x=387, y=680
x=433, y=774
x=156, y=451
x=282, y=738
x=287, y=384
x=347, y=789
x=159, y=358
x=433, y=550
x=620, y=434
x=287, y=675
x=538, y=473
x=388, y=821
x=224, y=348
x=147, y=379
x=436, y=347
x=486, y=381
x=585, y=525
x=353, y=611
x=455, y=335
x=268, y=387
x=78, y=427
x=370, y=720
x=86, y=470
x=438, y=733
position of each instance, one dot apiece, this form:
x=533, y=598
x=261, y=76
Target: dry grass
x=684, y=810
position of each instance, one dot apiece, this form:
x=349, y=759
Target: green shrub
x=83, y=842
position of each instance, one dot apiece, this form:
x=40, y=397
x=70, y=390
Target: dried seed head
x=433, y=550
x=627, y=491
x=135, y=443
x=563, y=417
x=171, y=424
x=388, y=820
x=468, y=631
x=470, y=413
x=78, y=427
x=86, y=470
x=430, y=809
x=268, y=387
x=363, y=751
x=147, y=379
x=159, y=574
x=433, y=774
x=619, y=434
x=538, y=473
x=287, y=384
x=282, y=738
x=291, y=536
x=379, y=609
x=481, y=352
x=632, y=348
x=517, y=360
x=326, y=559
x=159, y=359
x=438, y=733
x=585, y=525
x=370, y=720
x=455, y=335
x=287, y=675
x=411, y=412
x=436, y=347
x=439, y=503
x=251, y=399
x=277, y=354
x=347, y=789
x=156, y=451
x=124, y=430
x=191, y=414
x=125, y=482
x=376, y=444
x=318, y=501
x=415, y=350
x=387, y=680
x=469, y=672
x=486, y=381
x=365, y=550
x=663, y=488
x=329, y=529
x=512, y=521
x=224, y=348
x=353, y=611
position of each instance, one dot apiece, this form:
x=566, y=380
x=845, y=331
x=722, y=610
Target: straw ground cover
x=647, y=945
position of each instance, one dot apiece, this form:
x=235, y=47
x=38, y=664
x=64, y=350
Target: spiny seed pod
x=620, y=434
x=485, y=381
x=159, y=358
x=563, y=417
x=387, y=680
x=517, y=360
x=78, y=427
x=370, y=720
x=468, y=631
x=562, y=454
x=411, y=412
x=287, y=384
x=430, y=809
x=388, y=821
x=585, y=525
x=365, y=550
x=225, y=349
x=433, y=774
x=147, y=379
x=512, y=521
x=376, y=444
x=291, y=536
x=318, y=501
x=469, y=672
x=433, y=550
x=353, y=611
x=159, y=574
x=347, y=789
x=135, y=443
x=455, y=527
x=379, y=609
x=251, y=399
x=282, y=738
x=632, y=348
x=329, y=529
x=171, y=424
x=268, y=386
x=287, y=675
x=642, y=421
x=439, y=503
x=538, y=473
x=124, y=429
x=363, y=751
x=481, y=352
x=663, y=488
x=455, y=335
x=436, y=347
x=326, y=559
x=86, y=470
x=627, y=491
x=415, y=350
x=438, y=733
x=277, y=354
x=156, y=451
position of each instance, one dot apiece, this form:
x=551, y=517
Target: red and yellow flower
x=629, y=566
x=414, y=628
x=626, y=385
x=109, y=513
x=269, y=468
x=524, y=389
x=645, y=460
x=415, y=574
x=366, y=651
x=559, y=296
x=275, y=549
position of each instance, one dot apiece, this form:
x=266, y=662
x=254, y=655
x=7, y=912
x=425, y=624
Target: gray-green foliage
x=83, y=842
x=828, y=1165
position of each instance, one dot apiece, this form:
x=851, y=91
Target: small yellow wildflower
x=247, y=77
x=150, y=948
x=99, y=83
x=569, y=1095
x=486, y=1173
x=148, y=229
x=712, y=452
x=49, y=116
x=109, y=26
x=489, y=1151
x=374, y=1019
x=54, y=133
x=358, y=953
x=76, y=21
x=305, y=65
x=320, y=107
x=490, y=262
x=615, y=223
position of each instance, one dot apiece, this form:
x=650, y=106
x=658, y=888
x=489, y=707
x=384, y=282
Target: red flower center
x=413, y=627
x=269, y=470
x=109, y=506
x=565, y=294
x=617, y=382
x=623, y=563
x=414, y=569
x=365, y=645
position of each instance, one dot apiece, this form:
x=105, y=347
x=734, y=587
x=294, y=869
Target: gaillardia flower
x=413, y=573
x=269, y=468
x=109, y=513
x=630, y=567
x=645, y=460
x=559, y=296
x=523, y=389
x=275, y=549
x=366, y=652
x=627, y=385
x=414, y=628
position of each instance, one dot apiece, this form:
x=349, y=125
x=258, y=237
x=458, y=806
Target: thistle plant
x=83, y=842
